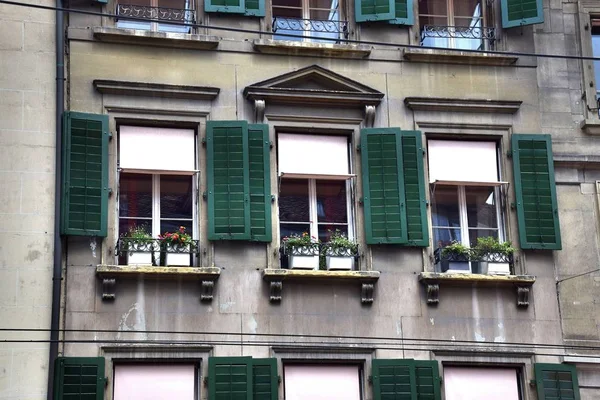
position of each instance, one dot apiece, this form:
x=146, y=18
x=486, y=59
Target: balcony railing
x=314, y=28
x=482, y=34
x=477, y=264
x=158, y=14
x=157, y=253
x=322, y=251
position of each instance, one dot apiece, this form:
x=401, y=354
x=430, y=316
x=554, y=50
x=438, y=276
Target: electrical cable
x=349, y=41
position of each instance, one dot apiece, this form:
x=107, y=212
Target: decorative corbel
x=206, y=292
x=523, y=296
x=433, y=293
x=275, y=288
x=259, y=111
x=367, y=291
x=108, y=288
x=369, y=116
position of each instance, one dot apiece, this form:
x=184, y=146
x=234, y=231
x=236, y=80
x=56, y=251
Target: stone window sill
x=289, y=47
x=110, y=273
x=433, y=280
x=457, y=57
x=162, y=39
x=591, y=126
x=366, y=279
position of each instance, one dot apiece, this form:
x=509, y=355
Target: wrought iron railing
x=159, y=14
x=443, y=260
x=156, y=252
x=321, y=250
x=315, y=26
x=459, y=32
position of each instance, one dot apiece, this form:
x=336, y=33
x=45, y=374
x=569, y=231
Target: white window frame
x=307, y=363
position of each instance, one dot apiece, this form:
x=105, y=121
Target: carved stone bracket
x=369, y=116
x=523, y=296
x=367, y=291
x=259, y=111
x=275, y=289
x=206, y=293
x=433, y=293
x=108, y=288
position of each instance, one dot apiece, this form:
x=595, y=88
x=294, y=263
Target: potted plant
x=494, y=257
x=139, y=246
x=177, y=247
x=455, y=258
x=340, y=252
x=302, y=251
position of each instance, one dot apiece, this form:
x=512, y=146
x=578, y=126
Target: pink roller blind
x=312, y=154
x=161, y=149
x=480, y=383
x=322, y=382
x=454, y=160
x=154, y=382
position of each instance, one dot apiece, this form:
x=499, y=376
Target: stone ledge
x=463, y=105
x=288, y=47
x=126, y=88
x=366, y=279
x=457, y=57
x=110, y=273
x=163, y=39
x=590, y=126
x=432, y=281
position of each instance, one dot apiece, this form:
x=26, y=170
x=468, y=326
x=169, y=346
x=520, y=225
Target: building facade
x=207, y=146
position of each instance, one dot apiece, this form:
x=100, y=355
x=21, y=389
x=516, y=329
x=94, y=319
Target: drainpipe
x=57, y=268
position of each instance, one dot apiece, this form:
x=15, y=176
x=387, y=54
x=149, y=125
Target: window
x=155, y=381
x=156, y=181
x=322, y=382
x=159, y=11
x=466, y=383
x=312, y=20
x=596, y=53
x=314, y=191
x=459, y=24
x=465, y=193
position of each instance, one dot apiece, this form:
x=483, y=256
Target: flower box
x=178, y=256
x=139, y=258
x=345, y=263
x=304, y=262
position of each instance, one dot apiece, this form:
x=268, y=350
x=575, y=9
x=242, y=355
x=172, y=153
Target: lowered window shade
x=155, y=382
x=156, y=149
x=475, y=383
x=312, y=155
x=462, y=161
x=322, y=382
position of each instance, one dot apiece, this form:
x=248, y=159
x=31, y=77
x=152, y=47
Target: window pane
x=481, y=207
x=126, y=224
x=287, y=230
x=444, y=211
x=467, y=8
x=173, y=226
x=325, y=231
x=596, y=48
x=442, y=237
x=176, y=199
x=481, y=233
x=433, y=7
x=331, y=201
x=135, y=195
x=293, y=200
x=287, y=9
x=178, y=4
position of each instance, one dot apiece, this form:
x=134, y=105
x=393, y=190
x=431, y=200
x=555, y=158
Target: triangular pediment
x=316, y=85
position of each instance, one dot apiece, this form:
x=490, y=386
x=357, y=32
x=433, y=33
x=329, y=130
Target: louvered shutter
x=79, y=378
x=404, y=13
x=556, y=381
x=225, y=6
x=535, y=191
x=260, y=182
x=228, y=180
x=230, y=378
x=427, y=378
x=255, y=8
x=264, y=379
x=394, y=380
x=374, y=10
x=84, y=203
x=414, y=189
x=521, y=12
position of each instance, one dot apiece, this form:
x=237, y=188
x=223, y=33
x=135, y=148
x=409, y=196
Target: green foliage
x=300, y=240
x=339, y=244
x=138, y=234
x=456, y=249
x=489, y=245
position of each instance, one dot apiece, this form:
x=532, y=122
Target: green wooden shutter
x=255, y=8
x=414, y=189
x=228, y=180
x=394, y=380
x=556, y=381
x=260, y=182
x=427, y=378
x=383, y=183
x=229, y=378
x=374, y=10
x=535, y=191
x=84, y=203
x=521, y=12
x=79, y=378
x=404, y=13
x=265, y=381
x=225, y=6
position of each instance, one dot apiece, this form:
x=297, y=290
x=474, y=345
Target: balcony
x=458, y=37
x=492, y=263
x=159, y=16
x=154, y=252
x=318, y=256
x=311, y=30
